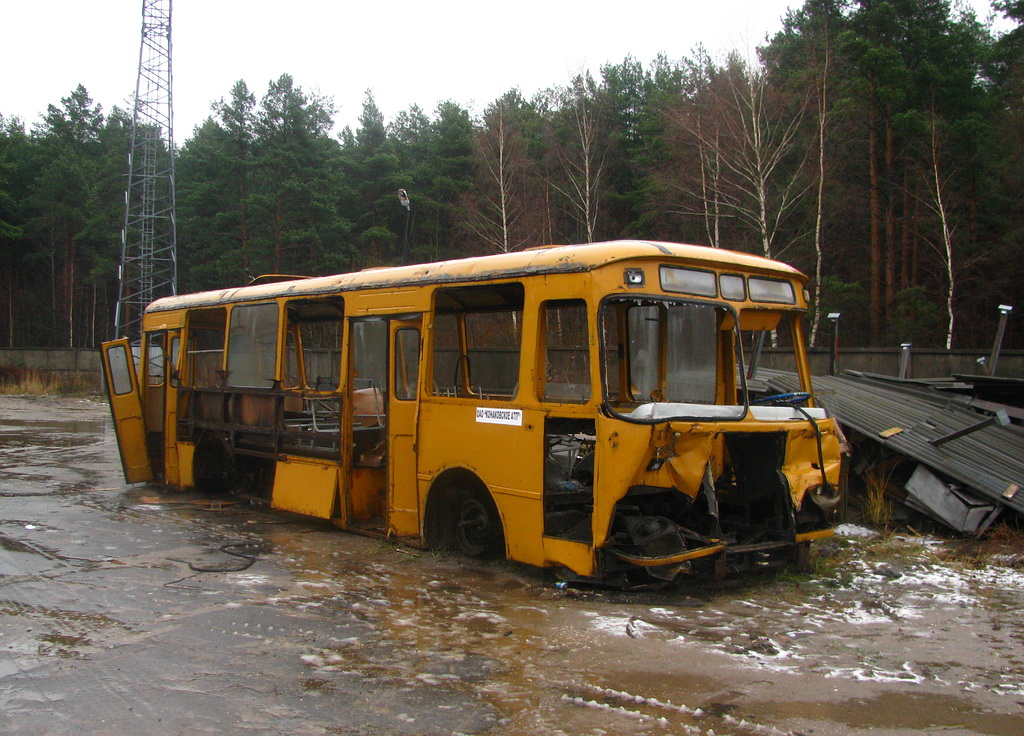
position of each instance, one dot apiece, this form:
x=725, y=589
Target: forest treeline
x=876, y=145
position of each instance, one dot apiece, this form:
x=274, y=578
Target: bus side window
x=493, y=341
x=407, y=360
x=446, y=355
x=155, y=359
x=175, y=349
x=477, y=341
x=205, y=347
x=370, y=372
x=252, y=346
x=321, y=354
x=291, y=360
x=313, y=344
x=567, y=353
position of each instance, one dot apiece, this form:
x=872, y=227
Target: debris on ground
x=940, y=447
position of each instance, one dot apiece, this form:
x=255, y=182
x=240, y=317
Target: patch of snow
x=478, y=615
x=610, y=624
x=872, y=674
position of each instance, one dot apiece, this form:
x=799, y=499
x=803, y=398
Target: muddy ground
x=121, y=612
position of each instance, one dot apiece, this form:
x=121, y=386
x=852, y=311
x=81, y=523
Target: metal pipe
x=1000, y=417
x=833, y=359
x=905, y=359
x=755, y=358
x=1004, y=312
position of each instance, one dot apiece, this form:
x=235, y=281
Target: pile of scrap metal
x=955, y=446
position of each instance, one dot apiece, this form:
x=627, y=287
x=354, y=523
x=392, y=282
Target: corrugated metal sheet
x=989, y=461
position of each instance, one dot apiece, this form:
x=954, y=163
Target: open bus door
x=403, y=415
x=126, y=409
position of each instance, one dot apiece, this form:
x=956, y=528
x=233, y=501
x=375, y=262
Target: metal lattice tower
x=149, y=264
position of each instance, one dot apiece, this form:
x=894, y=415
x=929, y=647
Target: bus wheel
x=461, y=515
x=478, y=529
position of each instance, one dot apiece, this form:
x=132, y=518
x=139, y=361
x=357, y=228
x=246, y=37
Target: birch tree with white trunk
x=498, y=151
x=582, y=157
x=938, y=205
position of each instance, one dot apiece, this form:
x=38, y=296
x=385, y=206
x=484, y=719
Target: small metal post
x=905, y=359
x=1004, y=312
x=834, y=356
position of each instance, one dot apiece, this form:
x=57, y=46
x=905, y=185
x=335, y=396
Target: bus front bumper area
x=718, y=558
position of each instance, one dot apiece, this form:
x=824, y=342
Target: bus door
x=161, y=404
x=172, y=352
x=126, y=409
x=403, y=413
x=364, y=497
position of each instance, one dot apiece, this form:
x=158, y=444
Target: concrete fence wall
x=886, y=361
x=52, y=359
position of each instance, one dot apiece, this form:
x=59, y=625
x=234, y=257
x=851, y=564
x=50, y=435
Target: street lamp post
x=403, y=199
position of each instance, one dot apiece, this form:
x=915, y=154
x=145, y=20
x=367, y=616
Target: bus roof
x=536, y=261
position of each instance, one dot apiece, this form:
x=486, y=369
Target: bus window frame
x=407, y=363
x=294, y=328
x=196, y=323
x=462, y=369
x=543, y=354
x=255, y=349
x=726, y=311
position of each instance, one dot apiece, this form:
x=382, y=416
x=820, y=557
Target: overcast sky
x=405, y=52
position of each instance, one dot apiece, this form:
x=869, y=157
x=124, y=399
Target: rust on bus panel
x=578, y=408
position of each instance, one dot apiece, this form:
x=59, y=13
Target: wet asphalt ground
x=130, y=610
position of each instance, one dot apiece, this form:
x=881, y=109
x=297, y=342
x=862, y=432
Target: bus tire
x=478, y=528
x=461, y=515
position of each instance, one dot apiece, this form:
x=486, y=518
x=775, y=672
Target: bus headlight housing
x=825, y=496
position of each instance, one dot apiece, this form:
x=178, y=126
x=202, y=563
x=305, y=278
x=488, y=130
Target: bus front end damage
x=709, y=499
x=697, y=473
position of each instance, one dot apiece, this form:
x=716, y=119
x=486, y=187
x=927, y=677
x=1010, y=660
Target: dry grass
x=1002, y=545
x=877, y=504
x=1007, y=535
x=17, y=380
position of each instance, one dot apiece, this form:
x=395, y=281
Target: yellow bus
x=583, y=408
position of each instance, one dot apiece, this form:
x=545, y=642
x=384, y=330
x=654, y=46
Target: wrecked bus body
x=582, y=408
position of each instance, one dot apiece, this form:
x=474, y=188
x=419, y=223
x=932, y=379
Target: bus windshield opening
x=666, y=359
